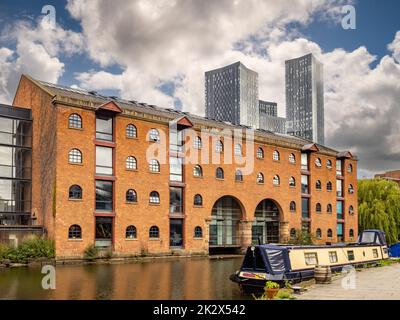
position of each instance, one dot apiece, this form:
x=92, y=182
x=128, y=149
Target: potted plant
x=271, y=289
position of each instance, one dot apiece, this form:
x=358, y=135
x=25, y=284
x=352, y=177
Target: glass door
x=176, y=233
x=104, y=232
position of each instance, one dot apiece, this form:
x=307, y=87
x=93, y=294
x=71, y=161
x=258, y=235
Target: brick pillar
x=245, y=234
x=284, y=233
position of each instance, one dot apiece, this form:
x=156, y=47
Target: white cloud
x=395, y=47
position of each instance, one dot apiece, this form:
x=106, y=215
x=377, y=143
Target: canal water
x=195, y=278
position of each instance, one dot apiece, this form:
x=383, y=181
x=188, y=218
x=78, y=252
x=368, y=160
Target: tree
x=379, y=207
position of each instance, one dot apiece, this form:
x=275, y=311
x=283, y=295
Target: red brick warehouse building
x=92, y=182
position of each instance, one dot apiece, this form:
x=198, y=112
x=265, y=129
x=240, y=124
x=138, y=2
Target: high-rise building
x=269, y=120
x=268, y=108
x=305, y=98
x=232, y=95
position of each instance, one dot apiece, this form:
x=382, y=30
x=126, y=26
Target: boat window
x=375, y=253
x=367, y=237
x=253, y=260
x=350, y=255
x=333, y=256
x=311, y=259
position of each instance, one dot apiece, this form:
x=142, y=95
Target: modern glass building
x=305, y=98
x=268, y=108
x=268, y=117
x=232, y=95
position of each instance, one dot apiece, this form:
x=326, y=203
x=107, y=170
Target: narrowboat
x=282, y=263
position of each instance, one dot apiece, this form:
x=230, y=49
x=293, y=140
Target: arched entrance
x=266, y=222
x=224, y=226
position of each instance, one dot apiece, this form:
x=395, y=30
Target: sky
x=157, y=52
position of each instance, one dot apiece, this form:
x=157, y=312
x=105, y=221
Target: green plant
x=271, y=285
x=32, y=248
x=284, y=294
x=302, y=237
x=91, y=253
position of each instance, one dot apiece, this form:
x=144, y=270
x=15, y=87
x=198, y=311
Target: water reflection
x=177, y=279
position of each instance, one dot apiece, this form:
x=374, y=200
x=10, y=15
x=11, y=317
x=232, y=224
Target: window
x=318, y=233
x=131, y=163
x=75, y=121
x=304, y=161
x=175, y=169
x=339, y=210
x=219, y=146
x=104, y=195
x=75, y=192
x=276, y=181
x=131, y=232
x=292, y=158
x=350, y=168
x=292, y=182
x=330, y=233
x=198, y=232
x=311, y=259
x=197, y=171
x=318, y=185
x=275, y=156
x=329, y=208
x=175, y=200
x=333, y=257
x=154, y=232
x=339, y=167
x=154, y=197
x=350, y=255
x=198, y=200
x=219, y=174
x=104, y=161
x=238, y=150
x=375, y=253
x=260, y=178
x=329, y=164
x=351, y=233
x=131, y=131
x=304, y=184
x=104, y=128
x=339, y=188
x=318, y=163
x=329, y=186
x=238, y=176
x=197, y=144
x=131, y=196
x=75, y=232
x=351, y=210
x=305, y=208
x=318, y=208
x=75, y=156
x=293, y=233
x=351, y=189
x=154, y=166
x=260, y=153
x=292, y=206
x=306, y=226
x=340, y=228
x=154, y=135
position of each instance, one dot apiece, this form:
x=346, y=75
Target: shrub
x=91, y=253
x=271, y=285
x=32, y=248
x=302, y=238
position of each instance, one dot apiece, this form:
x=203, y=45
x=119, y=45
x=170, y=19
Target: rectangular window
x=176, y=141
x=15, y=132
x=175, y=200
x=104, y=128
x=375, y=253
x=104, y=195
x=350, y=255
x=305, y=208
x=311, y=259
x=304, y=184
x=104, y=161
x=304, y=161
x=339, y=188
x=339, y=210
x=15, y=202
x=333, y=257
x=15, y=162
x=339, y=167
x=340, y=237
x=175, y=169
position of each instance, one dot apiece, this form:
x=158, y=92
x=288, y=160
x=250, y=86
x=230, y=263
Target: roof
x=91, y=99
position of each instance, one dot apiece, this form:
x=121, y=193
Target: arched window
x=219, y=146
x=318, y=208
x=292, y=182
x=292, y=158
x=131, y=163
x=330, y=234
x=260, y=178
x=198, y=232
x=329, y=186
x=131, y=196
x=351, y=233
x=154, y=166
x=318, y=233
x=351, y=210
x=275, y=156
x=75, y=232
x=198, y=200
x=131, y=131
x=75, y=121
x=154, y=135
x=350, y=168
x=292, y=206
x=197, y=171
x=329, y=208
x=260, y=153
x=75, y=156
x=329, y=164
x=318, y=185
x=276, y=181
x=318, y=163
x=131, y=232
x=197, y=144
x=351, y=189
x=293, y=233
x=154, y=232
x=154, y=197
x=238, y=150
x=75, y=192
x=219, y=174
x=238, y=175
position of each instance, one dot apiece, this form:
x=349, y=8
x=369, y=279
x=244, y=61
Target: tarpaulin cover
x=276, y=260
x=394, y=250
